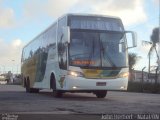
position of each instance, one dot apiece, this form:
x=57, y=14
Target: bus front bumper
x=80, y=83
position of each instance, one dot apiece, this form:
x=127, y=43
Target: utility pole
x=149, y=64
x=142, y=79
x=156, y=80
x=13, y=66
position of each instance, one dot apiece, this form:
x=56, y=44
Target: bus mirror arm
x=134, y=39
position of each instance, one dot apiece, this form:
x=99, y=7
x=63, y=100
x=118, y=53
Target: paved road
x=13, y=99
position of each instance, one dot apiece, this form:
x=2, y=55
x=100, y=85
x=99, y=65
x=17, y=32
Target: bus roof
x=72, y=14
x=89, y=15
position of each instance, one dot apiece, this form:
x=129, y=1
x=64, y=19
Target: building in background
x=137, y=77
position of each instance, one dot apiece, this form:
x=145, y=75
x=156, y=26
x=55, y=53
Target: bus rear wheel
x=28, y=88
x=27, y=85
x=101, y=94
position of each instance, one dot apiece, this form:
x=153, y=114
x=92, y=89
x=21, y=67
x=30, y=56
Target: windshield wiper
x=92, y=52
x=105, y=54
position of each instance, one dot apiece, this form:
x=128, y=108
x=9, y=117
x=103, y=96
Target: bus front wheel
x=56, y=93
x=101, y=94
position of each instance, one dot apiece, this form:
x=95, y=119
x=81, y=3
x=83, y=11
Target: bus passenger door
x=63, y=48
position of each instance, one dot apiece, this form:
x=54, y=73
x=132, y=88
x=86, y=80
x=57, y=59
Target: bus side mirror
x=66, y=34
x=133, y=38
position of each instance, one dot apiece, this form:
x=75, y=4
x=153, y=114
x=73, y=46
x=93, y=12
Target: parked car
x=3, y=79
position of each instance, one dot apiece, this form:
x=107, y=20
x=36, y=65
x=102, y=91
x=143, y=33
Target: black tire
x=27, y=85
x=101, y=94
x=28, y=88
x=52, y=82
x=56, y=93
x=34, y=90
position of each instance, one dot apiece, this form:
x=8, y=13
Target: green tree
x=133, y=59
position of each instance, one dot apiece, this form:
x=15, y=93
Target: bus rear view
x=92, y=56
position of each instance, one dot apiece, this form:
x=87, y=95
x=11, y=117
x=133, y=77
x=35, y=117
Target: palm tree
x=153, y=42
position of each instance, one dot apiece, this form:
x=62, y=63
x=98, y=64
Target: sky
x=22, y=20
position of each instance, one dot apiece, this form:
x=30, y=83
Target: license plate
x=101, y=84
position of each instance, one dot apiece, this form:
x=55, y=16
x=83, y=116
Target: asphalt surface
x=15, y=101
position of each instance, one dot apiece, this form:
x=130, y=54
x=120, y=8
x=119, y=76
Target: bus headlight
x=75, y=74
x=124, y=74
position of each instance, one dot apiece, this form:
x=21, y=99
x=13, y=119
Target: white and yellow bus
x=78, y=53
x=159, y=55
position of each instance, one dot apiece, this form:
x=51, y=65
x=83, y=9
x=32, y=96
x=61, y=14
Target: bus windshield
x=89, y=48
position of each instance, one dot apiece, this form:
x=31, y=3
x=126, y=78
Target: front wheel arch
x=56, y=93
x=52, y=81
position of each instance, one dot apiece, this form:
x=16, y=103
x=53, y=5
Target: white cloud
x=10, y=51
x=57, y=7
x=6, y=17
x=156, y=2
x=53, y=8
x=17, y=43
x=143, y=49
x=131, y=11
